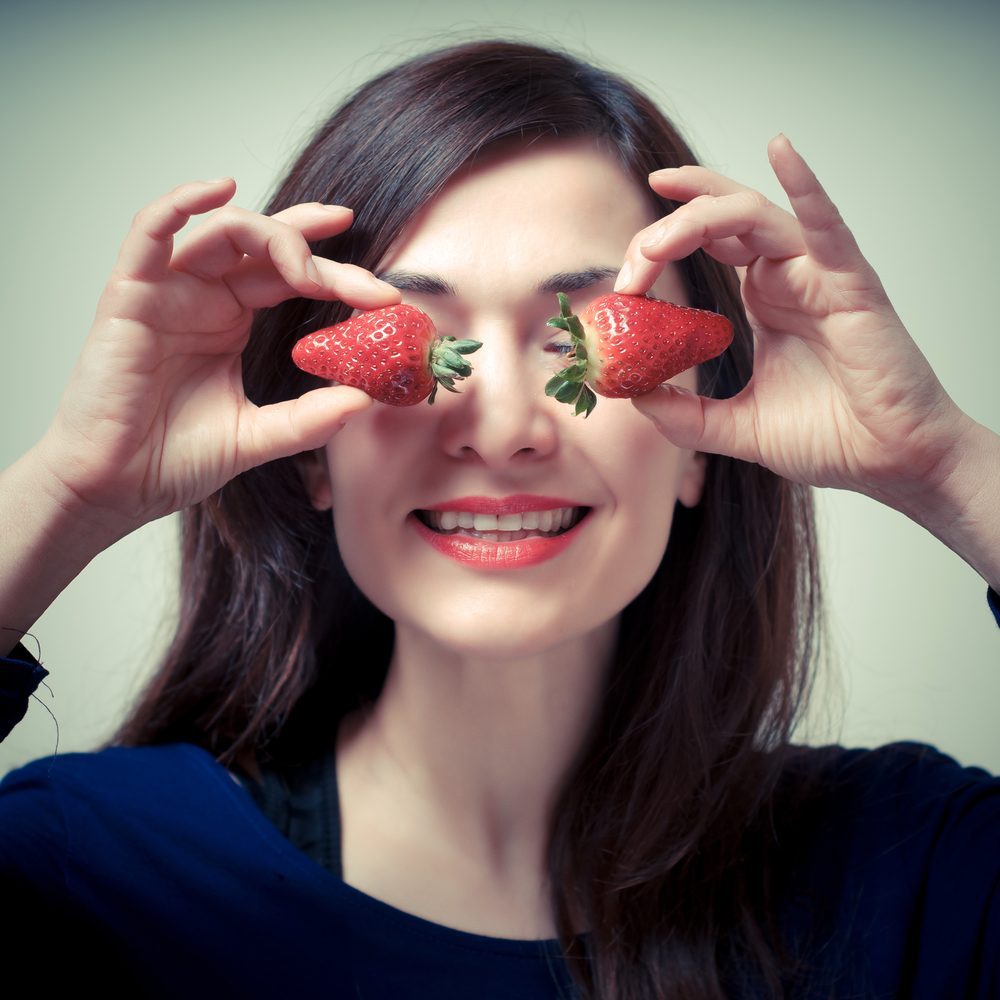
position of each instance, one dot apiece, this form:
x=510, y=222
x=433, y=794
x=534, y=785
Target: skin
x=478, y=720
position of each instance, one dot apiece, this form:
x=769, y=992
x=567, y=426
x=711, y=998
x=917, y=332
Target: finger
x=315, y=220
x=640, y=272
x=731, y=251
x=830, y=243
x=699, y=423
x=283, y=429
x=689, y=182
x=761, y=226
x=147, y=249
x=256, y=284
x=223, y=241
x=727, y=222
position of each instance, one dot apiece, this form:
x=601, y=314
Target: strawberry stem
x=447, y=363
x=569, y=386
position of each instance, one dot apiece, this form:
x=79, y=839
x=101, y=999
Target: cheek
x=371, y=450
x=378, y=467
x=358, y=465
x=640, y=469
x=639, y=465
x=648, y=505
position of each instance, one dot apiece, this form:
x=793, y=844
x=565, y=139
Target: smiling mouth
x=503, y=527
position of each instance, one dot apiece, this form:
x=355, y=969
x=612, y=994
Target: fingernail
x=624, y=276
x=312, y=273
x=382, y=286
x=676, y=390
x=780, y=136
x=359, y=405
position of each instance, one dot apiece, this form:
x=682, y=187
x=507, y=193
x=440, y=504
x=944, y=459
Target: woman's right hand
x=154, y=417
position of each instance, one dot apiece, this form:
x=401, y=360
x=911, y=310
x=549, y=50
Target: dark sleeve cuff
x=20, y=675
x=994, y=598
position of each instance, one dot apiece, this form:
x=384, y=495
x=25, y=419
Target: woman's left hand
x=840, y=394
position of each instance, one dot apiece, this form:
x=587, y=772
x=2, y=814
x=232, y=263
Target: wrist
x=49, y=536
x=94, y=527
x=961, y=504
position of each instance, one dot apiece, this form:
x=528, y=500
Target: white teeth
x=494, y=527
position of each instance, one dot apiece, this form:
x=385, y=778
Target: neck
x=476, y=748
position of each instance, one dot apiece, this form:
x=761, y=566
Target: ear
x=316, y=478
x=692, y=479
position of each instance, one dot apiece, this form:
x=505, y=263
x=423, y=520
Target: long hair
x=660, y=843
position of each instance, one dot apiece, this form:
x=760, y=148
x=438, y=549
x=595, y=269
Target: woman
x=592, y=746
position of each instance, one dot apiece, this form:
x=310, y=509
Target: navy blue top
x=171, y=869
x=153, y=866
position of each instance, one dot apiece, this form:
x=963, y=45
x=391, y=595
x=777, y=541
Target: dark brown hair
x=660, y=841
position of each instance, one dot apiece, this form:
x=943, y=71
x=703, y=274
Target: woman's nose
x=502, y=414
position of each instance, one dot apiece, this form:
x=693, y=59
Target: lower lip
x=483, y=554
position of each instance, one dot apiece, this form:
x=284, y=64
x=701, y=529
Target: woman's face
x=502, y=459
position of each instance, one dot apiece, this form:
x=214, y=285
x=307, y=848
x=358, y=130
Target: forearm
x=962, y=508
x=47, y=539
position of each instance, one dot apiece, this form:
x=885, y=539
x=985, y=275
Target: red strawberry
x=625, y=345
x=394, y=354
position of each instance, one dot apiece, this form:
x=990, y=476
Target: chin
x=510, y=634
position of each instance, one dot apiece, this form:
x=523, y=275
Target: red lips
x=483, y=554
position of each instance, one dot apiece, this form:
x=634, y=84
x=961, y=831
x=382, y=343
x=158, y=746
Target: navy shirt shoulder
x=894, y=876
x=889, y=878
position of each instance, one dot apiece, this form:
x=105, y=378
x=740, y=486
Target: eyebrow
x=563, y=281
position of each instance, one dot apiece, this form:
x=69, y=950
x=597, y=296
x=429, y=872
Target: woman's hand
x=154, y=417
x=840, y=394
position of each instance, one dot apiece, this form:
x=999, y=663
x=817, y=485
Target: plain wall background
x=107, y=105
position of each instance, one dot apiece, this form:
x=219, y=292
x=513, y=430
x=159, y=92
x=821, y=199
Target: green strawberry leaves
x=448, y=364
x=568, y=386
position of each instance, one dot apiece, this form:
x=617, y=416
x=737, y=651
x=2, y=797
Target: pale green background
x=107, y=105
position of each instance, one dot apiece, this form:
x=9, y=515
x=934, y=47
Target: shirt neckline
x=378, y=909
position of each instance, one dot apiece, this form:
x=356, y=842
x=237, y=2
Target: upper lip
x=516, y=504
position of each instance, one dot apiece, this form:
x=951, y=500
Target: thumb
x=699, y=423
x=296, y=425
x=677, y=412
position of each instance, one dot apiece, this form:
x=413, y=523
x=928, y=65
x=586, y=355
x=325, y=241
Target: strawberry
x=394, y=354
x=625, y=345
